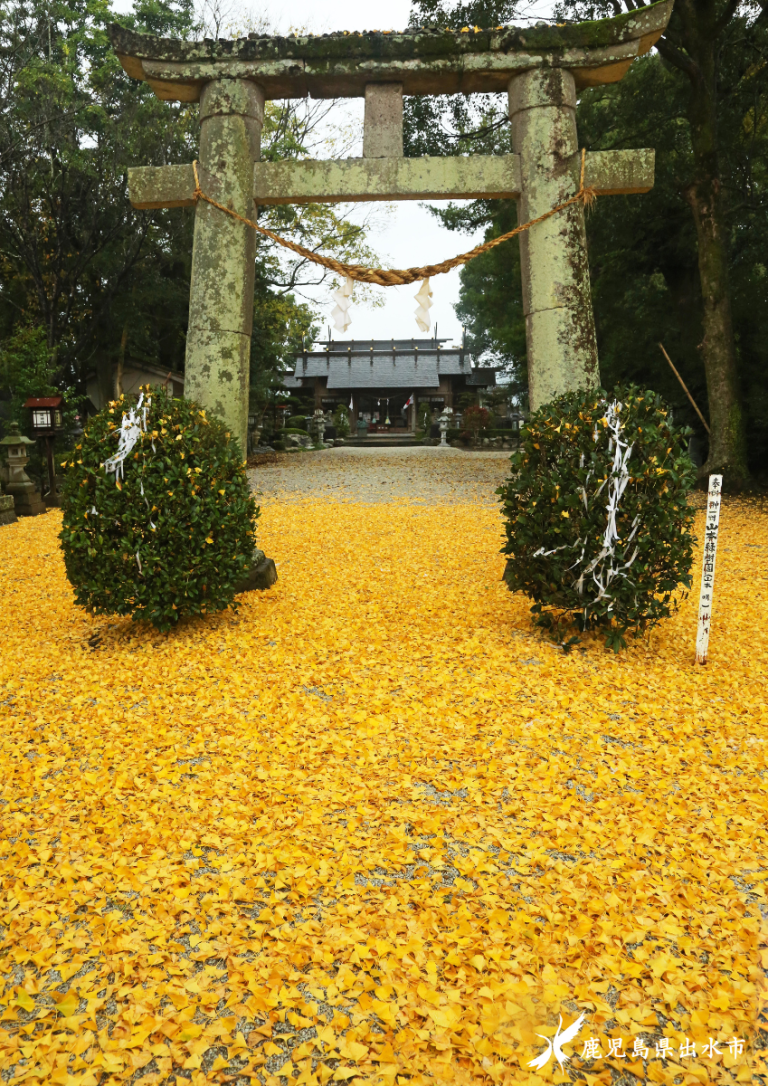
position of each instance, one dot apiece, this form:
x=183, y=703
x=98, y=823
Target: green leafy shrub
x=424, y=416
x=341, y=420
x=170, y=531
x=455, y=434
x=600, y=533
x=293, y=430
x=296, y=422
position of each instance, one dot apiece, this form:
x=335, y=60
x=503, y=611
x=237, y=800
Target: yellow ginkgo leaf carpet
x=373, y=827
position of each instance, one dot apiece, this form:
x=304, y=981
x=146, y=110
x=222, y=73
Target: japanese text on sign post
x=708, y=568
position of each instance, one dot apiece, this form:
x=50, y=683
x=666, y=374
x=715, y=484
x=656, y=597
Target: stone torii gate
x=541, y=68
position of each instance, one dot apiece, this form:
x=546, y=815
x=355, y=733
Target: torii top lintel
x=424, y=61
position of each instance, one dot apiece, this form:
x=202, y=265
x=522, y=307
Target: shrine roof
x=345, y=345
x=407, y=371
x=360, y=368
x=427, y=60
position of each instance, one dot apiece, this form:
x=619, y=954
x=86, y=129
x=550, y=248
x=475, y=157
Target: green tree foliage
x=597, y=519
x=341, y=420
x=490, y=303
x=78, y=261
x=455, y=123
x=25, y=369
x=645, y=250
x=712, y=45
x=172, y=531
x=424, y=417
x=108, y=284
x=281, y=326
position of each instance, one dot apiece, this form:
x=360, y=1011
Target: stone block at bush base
x=7, y=511
x=261, y=575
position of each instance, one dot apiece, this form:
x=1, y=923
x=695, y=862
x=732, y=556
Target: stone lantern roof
x=15, y=437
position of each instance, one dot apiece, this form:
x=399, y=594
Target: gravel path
x=417, y=475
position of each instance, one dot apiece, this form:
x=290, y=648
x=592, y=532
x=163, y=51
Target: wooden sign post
x=708, y=568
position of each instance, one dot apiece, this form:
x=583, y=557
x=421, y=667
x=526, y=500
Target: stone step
x=383, y=441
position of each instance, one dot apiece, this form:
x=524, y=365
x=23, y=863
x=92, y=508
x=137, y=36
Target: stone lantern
x=255, y=426
x=26, y=498
x=47, y=422
x=318, y=426
x=444, y=423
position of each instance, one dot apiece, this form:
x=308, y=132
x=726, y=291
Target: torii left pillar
x=221, y=289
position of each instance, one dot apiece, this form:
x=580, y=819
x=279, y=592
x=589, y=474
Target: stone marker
x=261, y=575
x=7, y=511
x=541, y=68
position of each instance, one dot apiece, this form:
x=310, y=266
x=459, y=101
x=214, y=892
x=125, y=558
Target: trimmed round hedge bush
x=172, y=530
x=600, y=533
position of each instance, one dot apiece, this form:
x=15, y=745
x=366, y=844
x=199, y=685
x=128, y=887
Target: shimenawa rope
x=385, y=277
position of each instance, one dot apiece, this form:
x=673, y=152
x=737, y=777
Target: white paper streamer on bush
x=134, y=424
x=340, y=314
x=602, y=568
x=424, y=298
x=131, y=428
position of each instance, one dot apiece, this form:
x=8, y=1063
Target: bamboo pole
x=685, y=389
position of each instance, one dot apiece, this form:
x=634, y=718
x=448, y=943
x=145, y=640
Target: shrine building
x=377, y=378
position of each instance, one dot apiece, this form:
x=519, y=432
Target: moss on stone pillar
x=560, y=330
x=221, y=289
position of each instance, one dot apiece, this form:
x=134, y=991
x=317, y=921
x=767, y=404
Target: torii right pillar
x=559, y=324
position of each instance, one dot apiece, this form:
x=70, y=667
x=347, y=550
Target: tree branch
x=680, y=60
x=730, y=10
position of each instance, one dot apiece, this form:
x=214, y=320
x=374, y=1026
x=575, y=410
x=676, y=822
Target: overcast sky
x=407, y=234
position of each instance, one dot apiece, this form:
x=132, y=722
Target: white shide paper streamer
x=605, y=567
x=340, y=314
x=133, y=425
x=424, y=298
x=131, y=428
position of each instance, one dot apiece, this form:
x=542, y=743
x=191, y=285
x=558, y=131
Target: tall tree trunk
x=105, y=379
x=727, y=443
x=121, y=363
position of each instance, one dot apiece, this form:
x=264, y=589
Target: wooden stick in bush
x=685, y=389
